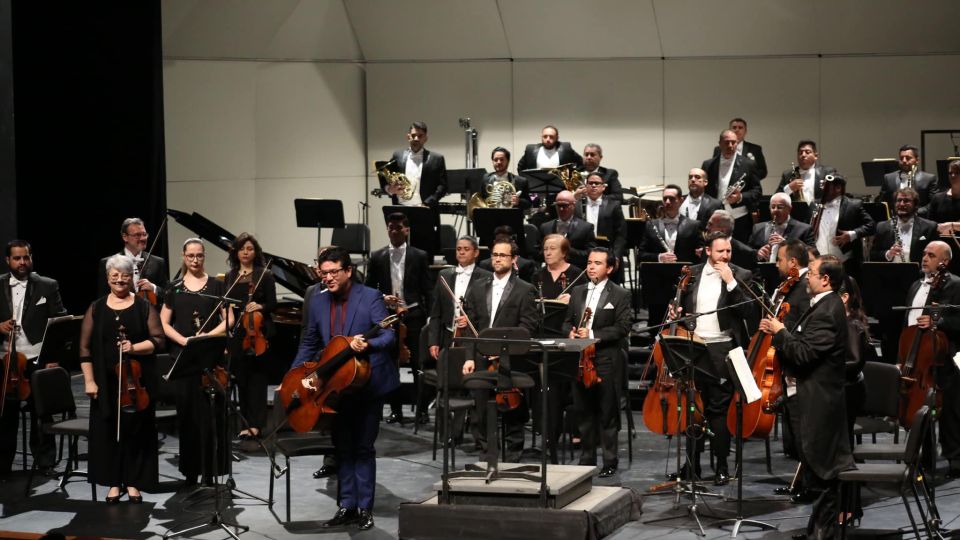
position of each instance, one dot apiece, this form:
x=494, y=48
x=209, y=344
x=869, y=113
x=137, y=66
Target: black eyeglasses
x=325, y=273
x=594, y=183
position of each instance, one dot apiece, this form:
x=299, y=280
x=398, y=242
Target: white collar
x=726, y=160
x=818, y=297
x=709, y=270
x=597, y=202
x=693, y=199
x=128, y=253
x=597, y=286
x=834, y=203
x=402, y=247
x=465, y=269
x=501, y=282
x=14, y=281
x=803, y=271
x=417, y=154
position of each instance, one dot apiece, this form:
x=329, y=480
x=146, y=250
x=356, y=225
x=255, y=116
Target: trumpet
x=736, y=186
x=798, y=195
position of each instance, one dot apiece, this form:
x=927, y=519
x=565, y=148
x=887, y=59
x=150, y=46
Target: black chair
x=448, y=378
x=896, y=451
x=531, y=239
x=881, y=407
x=353, y=237
x=53, y=395
x=448, y=243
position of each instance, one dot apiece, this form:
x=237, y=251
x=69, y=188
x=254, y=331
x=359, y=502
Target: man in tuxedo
x=526, y=269
x=724, y=173
x=592, y=154
x=813, y=354
x=803, y=183
x=352, y=309
x=924, y=183
x=914, y=231
x=697, y=204
x=147, y=274
x=426, y=170
x=598, y=407
x=605, y=214
x=550, y=153
x=767, y=236
x=460, y=279
x=400, y=272
x=717, y=284
x=752, y=152
x=497, y=301
x=27, y=300
x=578, y=232
x=843, y=225
x=501, y=160
x=742, y=255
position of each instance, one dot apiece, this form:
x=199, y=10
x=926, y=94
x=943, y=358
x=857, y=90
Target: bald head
x=696, y=182
x=565, y=205
x=935, y=255
x=728, y=143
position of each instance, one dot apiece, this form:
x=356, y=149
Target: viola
x=16, y=386
x=132, y=396
x=338, y=371
x=254, y=341
x=147, y=293
x=587, y=374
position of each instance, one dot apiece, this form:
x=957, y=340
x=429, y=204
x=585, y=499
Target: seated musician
x=734, y=180
x=525, y=268
x=149, y=274
x=903, y=237
x=118, y=324
x=944, y=207
x=501, y=160
x=426, y=170
x=606, y=216
x=27, y=300
x=351, y=309
x=579, y=232
x=401, y=272
x=557, y=275
x=841, y=225
x=698, y=204
x=767, y=236
x=722, y=222
x=592, y=155
x=924, y=183
x=598, y=407
x=803, y=183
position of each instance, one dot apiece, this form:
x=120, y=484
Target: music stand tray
x=319, y=214
x=873, y=171
x=659, y=280
x=61, y=342
x=889, y=283
x=485, y=220
x=466, y=181
x=198, y=355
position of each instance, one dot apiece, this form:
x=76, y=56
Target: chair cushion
x=487, y=380
x=459, y=404
x=888, y=473
x=74, y=426
x=887, y=452
x=303, y=444
x=866, y=425
x=165, y=415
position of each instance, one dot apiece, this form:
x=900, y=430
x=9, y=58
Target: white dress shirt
x=828, y=229
x=920, y=299
x=398, y=257
x=18, y=295
x=594, y=292
x=461, y=280
x=906, y=237
x=548, y=159
x=593, y=211
x=497, y=292
x=775, y=248
x=137, y=260
x=413, y=171
x=726, y=178
x=708, y=298
x=691, y=207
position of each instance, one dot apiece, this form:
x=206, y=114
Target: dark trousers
x=513, y=422
x=598, y=415
x=414, y=326
x=949, y=422
x=253, y=375
x=826, y=509
x=355, y=430
x=716, y=398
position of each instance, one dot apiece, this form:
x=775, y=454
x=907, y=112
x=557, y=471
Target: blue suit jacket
x=365, y=308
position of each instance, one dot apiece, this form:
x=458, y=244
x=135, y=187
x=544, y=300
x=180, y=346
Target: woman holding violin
x=190, y=308
x=251, y=358
x=118, y=341
x=557, y=277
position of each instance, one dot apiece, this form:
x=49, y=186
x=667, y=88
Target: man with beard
x=903, y=237
x=753, y=152
x=426, y=170
x=501, y=160
x=592, y=154
x=924, y=183
x=150, y=275
x=550, y=153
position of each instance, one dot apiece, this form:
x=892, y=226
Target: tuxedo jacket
x=799, y=299
x=947, y=293
x=525, y=268
x=819, y=172
x=580, y=235
x=519, y=182
x=926, y=186
x=416, y=277
x=854, y=217
x=814, y=351
x=740, y=321
x=754, y=153
x=517, y=304
x=365, y=308
x=612, y=179
x=610, y=222
x=685, y=248
x=567, y=155
x=154, y=270
x=41, y=302
x=433, y=175
x=708, y=205
x=441, y=311
x=885, y=238
x=611, y=321
x=795, y=230
x=751, y=192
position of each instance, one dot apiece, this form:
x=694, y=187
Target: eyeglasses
x=594, y=184
x=120, y=277
x=325, y=273
x=137, y=235
x=192, y=256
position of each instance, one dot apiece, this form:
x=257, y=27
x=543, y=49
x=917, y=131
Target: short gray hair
x=595, y=146
x=121, y=263
x=472, y=239
x=725, y=217
x=783, y=197
x=130, y=221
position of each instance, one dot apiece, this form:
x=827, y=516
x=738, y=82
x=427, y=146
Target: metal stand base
x=741, y=522
x=216, y=520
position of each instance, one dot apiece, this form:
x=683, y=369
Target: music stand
x=61, y=341
x=659, y=280
x=424, y=223
x=874, y=170
x=319, y=214
x=545, y=185
x=799, y=210
x=879, y=210
x=485, y=220
x=465, y=181
x=769, y=275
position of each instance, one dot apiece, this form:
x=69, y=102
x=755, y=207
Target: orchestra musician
x=497, y=301
x=460, y=279
x=725, y=172
x=550, y=153
x=806, y=186
x=753, y=152
x=248, y=272
x=525, y=268
x=579, y=232
x=945, y=207
x=903, y=237
x=768, y=235
x=698, y=204
x=501, y=160
x=401, y=272
x=557, y=275
x=843, y=225
x=598, y=407
x=924, y=183
x=186, y=314
x=606, y=216
x=718, y=284
x=743, y=255
x=27, y=300
x=426, y=170
x=813, y=354
x=351, y=309
x=122, y=452
x=150, y=274
x=592, y=155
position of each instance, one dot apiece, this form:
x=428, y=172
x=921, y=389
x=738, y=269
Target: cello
x=131, y=395
x=336, y=372
x=16, y=386
x=921, y=350
x=661, y=406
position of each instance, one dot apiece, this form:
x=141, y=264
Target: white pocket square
x=43, y=300
x=608, y=306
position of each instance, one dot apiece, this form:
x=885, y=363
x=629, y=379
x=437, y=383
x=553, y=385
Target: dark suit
x=754, y=153
x=598, y=408
x=611, y=177
x=581, y=236
x=819, y=173
x=525, y=269
x=442, y=309
x=610, y=222
x=799, y=299
x=357, y=421
x=688, y=240
x=854, y=217
x=885, y=238
x=567, y=155
x=708, y=205
x=795, y=230
x=925, y=184
x=814, y=351
x=40, y=302
x=155, y=270
x=433, y=175
x=751, y=192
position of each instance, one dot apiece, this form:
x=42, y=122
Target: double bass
x=336, y=372
x=131, y=394
x=920, y=352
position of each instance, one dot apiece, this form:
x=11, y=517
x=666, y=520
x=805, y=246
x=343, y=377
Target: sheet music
x=750, y=389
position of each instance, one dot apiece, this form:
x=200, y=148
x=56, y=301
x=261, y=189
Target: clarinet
x=896, y=234
x=666, y=247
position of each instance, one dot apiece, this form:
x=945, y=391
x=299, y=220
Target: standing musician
x=592, y=154
x=598, y=407
x=123, y=452
x=947, y=377
x=840, y=224
x=697, y=204
x=813, y=355
x=460, y=279
x=803, y=181
x=498, y=301
x=717, y=284
x=605, y=214
x=945, y=207
x=909, y=176
x=735, y=181
x=351, y=309
x=400, y=272
x=767, y=236
x=254, y=285
x=550, y=153
x=501, y=160
x=525, y=268
x=147, y=274
x=27, y=300
x=186, y=314
x=426, y=170
x=753, y=152
x=579, y=232
x=903, y=237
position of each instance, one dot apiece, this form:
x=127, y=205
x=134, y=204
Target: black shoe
x=423, y=418
x=325, y=471
x=685, y=473
x=804, y=496
x=799, y=536
x=607, y=471
x=135, y=499
x=115, y=499
x=365, y=520
x=722, y=476
x=395, y=418
x=344, y=516
x=49, y=471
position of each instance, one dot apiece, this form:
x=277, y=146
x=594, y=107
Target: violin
x=254, y=341
x=338, y=371
x=587, y=374
x=131, y=395
x=403, y=352
x=219, y=373
x=148, y=294
x=16, y=386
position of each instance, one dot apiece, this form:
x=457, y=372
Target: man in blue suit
x=348, y=309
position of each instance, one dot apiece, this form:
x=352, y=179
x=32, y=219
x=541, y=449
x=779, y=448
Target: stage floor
x=405, y=472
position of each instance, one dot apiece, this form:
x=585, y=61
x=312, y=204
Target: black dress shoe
x=953, y=473
x=395, y=418
x=135, y=499
x=685, y=473
x=721, y=478
x=115, y=499
x=607, y=471
x=325, y=471
x=804, y=496
x=344, y=516
x=365, y=520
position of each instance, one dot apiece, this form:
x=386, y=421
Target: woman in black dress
x=190, y=309
x=129, y=464
x=258, y=290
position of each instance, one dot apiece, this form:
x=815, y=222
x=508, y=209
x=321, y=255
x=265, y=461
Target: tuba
x=396, y=179
x=499, y=195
